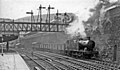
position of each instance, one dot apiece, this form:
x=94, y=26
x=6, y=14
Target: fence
x=51, y=47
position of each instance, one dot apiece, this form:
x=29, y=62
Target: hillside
x=39, y=36
x=44, y=17
x=43, y=38
x=46, y=37
x=5, y=19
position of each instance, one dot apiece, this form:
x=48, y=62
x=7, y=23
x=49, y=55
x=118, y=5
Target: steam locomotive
x=81, y=48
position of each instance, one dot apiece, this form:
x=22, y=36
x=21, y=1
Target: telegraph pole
x=65, y=14
x=2, y=45
x=31, y=17
x=7, y=45
x=49, y=14
x=57, y=14
x=40, y=10
x=49, y=11
x=66, y=17
x=115, y=53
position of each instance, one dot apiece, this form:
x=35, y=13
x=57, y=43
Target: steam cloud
x=77, y=28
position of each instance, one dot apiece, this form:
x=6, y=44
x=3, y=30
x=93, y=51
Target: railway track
x=41, y=63
x=67, y=63
x=91, y=65
x=62, y=66
x=29, y=60
x=111, y=65
x=71, y=63
x=78, y=66
x=49, y=64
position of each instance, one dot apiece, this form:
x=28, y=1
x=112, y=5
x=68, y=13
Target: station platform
x=12, y=61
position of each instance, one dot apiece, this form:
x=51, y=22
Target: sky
x=15, y=9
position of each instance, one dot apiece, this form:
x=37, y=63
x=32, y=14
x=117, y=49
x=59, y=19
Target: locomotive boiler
x=81, y=48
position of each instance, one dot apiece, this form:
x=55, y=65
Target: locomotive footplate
x=89, y=54
x=82, y=54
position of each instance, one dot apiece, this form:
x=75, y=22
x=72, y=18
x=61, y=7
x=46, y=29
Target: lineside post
x=115, y=53
x=49, y=14
x=7, y=45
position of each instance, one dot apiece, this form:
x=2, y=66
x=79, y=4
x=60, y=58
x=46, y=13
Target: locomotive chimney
x=88, y=38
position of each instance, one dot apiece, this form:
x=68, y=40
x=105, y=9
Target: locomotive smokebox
x=86, y=43
x=88, y=38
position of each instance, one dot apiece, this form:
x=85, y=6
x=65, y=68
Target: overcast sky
x=17, y=8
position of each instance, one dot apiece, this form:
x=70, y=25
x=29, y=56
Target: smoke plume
x=77, y=28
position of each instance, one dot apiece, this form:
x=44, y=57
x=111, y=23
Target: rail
x=42, y=67
x=83, y=63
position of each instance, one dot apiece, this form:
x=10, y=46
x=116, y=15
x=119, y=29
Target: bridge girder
x=33, y=27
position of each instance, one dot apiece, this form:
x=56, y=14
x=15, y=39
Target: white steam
x=113, y=1
x=77, y=28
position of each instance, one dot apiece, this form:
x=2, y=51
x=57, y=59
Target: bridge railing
x=28, y=26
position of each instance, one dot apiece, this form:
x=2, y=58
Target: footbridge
x=33, y=27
